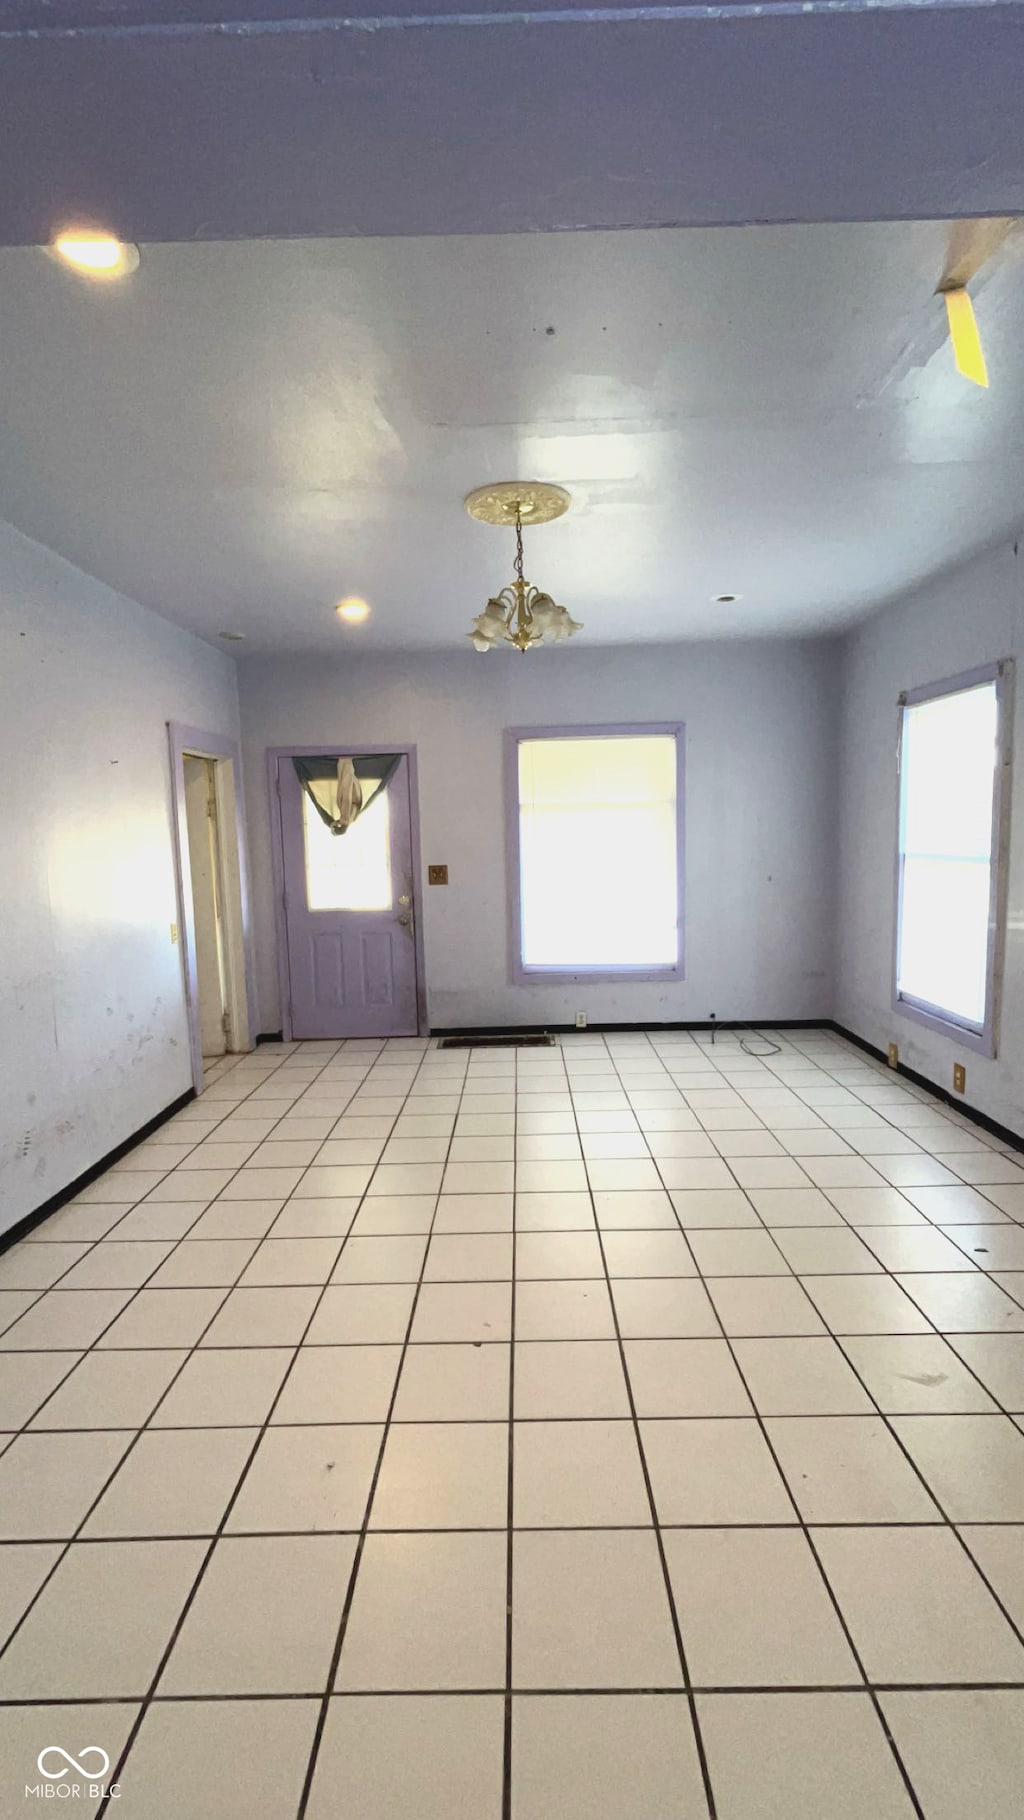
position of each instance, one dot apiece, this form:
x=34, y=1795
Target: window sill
x=980, y=1042
x=595, y=976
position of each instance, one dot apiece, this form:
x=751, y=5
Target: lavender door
x=348, y=906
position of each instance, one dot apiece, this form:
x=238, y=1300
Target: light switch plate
x=174, y=934
x=437, y=875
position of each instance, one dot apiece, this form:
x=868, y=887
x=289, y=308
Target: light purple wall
x=760, y=811
x=93, y=1027
x=973, y=616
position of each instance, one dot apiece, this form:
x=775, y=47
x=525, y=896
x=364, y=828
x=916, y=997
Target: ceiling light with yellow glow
x=96, y=255
x=353, y=610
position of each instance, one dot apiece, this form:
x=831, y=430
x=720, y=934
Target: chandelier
x=520, y=614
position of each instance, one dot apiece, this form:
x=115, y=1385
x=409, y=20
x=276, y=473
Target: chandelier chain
x=519, y=545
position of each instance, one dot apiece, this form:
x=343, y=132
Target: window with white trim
x=597, y=849
x=953, y=741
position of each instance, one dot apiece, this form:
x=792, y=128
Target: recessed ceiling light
x=725, y=600
x=232, y=637
x=96, y=255
x=352, y=610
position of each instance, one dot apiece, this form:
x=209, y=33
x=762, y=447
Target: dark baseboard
x=31, y=1220
x=1002, y=1132
x=600, y=1029
x=270, y=1036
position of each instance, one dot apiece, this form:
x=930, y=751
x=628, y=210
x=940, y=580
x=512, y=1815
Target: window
x=952, y=741
x=350, y=871
x=596, y=851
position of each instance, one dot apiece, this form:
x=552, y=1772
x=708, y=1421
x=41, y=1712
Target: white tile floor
x=630, y=1430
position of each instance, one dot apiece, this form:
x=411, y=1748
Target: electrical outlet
x=174, y=935
x=959, y=1077
x=581, y=1020
x=894, y=1055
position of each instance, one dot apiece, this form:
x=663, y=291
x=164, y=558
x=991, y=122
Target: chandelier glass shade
x=520, y=614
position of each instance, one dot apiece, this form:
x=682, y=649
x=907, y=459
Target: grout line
x=804, y=1415
x=483, y=1529
x=931, y=1492
x=260, y=1432
x=855, y=1653
x=705, y=1771
x=490, y=1231
x=675, y=1693
x=364, y=1529
x=506, y=1780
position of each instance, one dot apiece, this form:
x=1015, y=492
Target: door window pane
x=350, y=871
x=598, y=852
x=948, y=774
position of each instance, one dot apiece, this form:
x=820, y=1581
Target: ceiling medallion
x=520, y=614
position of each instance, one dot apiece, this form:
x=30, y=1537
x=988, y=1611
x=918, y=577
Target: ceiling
x=240, y=434
x=176, y=120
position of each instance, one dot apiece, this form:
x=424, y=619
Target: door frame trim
x=274, y=756
x=226, y=757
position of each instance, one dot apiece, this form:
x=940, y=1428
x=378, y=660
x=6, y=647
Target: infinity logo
x=90, y=1750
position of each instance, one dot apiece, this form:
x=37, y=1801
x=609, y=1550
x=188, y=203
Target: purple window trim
x=274, y=756
x=521, y=975
x=981, y=1039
